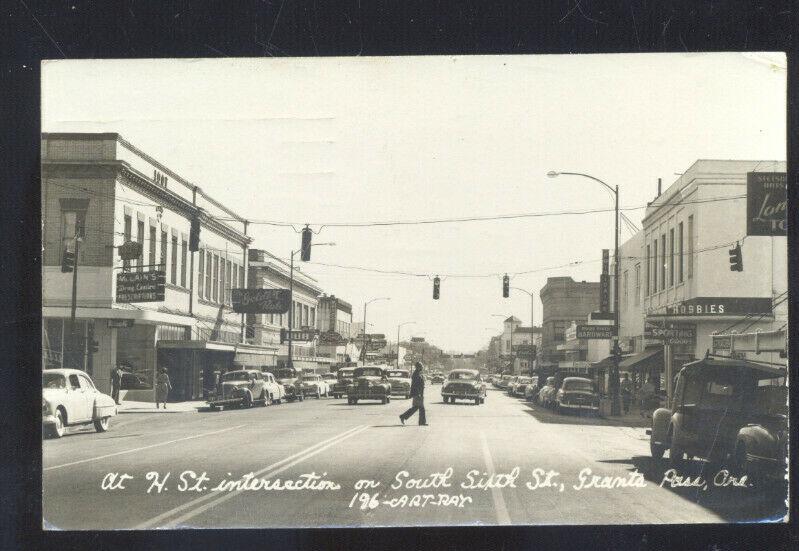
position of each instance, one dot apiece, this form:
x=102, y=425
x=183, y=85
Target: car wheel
x=247, y=402
x=101, y=425
x=59, y=427
x=301, y=397
x=384, y=400
x=657, y=450
x=477, y=401
x=355, y=401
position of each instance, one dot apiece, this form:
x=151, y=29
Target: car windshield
x=53, y=380
x=400, y=374
x=236, y=376
x=367, y=372
x=461, y=375
x=586, y=386
x=345, y=373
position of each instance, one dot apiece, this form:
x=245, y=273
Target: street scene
x=414, y=291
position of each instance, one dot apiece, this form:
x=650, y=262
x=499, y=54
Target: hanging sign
x=141, y=286
x=260, y=301
x=766, y=203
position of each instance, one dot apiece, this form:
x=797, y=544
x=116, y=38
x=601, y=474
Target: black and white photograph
x=444, y=290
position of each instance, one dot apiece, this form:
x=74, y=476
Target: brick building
x=563, y=301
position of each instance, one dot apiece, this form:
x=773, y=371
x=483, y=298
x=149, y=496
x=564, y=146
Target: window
x=625, y=282
x=663, y=262
x=305, y=316
x=184, y=254
x=313, y=318
x=201, y=274
x=151, y=245
x=228, y=270
x=215, y=280
x=140, y=240
x=208, y=267
x=655, y=266
x=637, y=298
x=222, y=280
x=671, y=257
x=680, y=251
x=73, y=382
x=163, y=250
x=690, y=246
x=647, y=269
x=241, y=278
x=127, y=237
x=235, y=278
x=173, y=275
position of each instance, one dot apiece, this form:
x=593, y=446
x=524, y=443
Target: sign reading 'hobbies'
x=260, y=301
x=766, y=203
x=141, y=286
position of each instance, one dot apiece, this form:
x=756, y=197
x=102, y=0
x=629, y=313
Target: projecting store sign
x=331, y=338
x=766, y=203
x=297, y=335
x=670, y=332
x=595, y=332
x=260, y=301
x=141, y=286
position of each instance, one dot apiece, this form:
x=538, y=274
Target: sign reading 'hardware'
x=595, y=331
x=141, y=286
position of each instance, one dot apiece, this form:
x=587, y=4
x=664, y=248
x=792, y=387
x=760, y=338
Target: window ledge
x=178, y=288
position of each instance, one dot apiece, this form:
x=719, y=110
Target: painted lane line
x=296, y=458
x=496, y=493
x=99, y=457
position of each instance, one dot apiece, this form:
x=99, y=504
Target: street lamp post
x=615, y=408
x=398, y=338
x=532, y=324
x=365, y=339
x=291, y=301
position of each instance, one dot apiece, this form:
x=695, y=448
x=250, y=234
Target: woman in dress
x=162, y=388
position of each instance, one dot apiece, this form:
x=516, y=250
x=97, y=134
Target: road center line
x=99, y=457
x=496, y=493
x=286, y=463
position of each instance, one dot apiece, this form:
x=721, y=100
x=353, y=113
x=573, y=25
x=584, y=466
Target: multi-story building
x=107, y=191
x=335, y=316
x=563, y=301
x=516, y=337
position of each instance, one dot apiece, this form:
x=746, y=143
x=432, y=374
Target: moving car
x=726, y=409
x=289, y=378
x=437, y=378
x=577, y=394
x=464, y=384
x=531, y=390
x=343, y=380
x=245, y=387
x=70, y=398
x=400, y=380
x=369, y=383
x=311, y=384
x=546, y=396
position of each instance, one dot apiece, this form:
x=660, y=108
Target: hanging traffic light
x=194, y=235
x=506, y=286
x=305, y=248
x=68, y=261
x=736, y=258
x=436, y=287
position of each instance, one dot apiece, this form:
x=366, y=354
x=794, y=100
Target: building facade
x=563, y=301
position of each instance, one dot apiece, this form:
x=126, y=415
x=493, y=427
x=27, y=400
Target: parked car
x=70, y=398
x=369, y=383
x=511, y=387
x=577, y=394
x=343, y=380
x=289, y=378
x=532, y=389
x=312, y=384
x=244, y=388
x=400, y=380
x=521, y=386
x=725, y=410
x=134, y=381
x=437, y=378
x=503, y=382
x=464, y=384
x=546, y=396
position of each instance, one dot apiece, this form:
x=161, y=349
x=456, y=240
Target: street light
x=398, y=338
x=365, y=339
x=615, y=408
x=532, y=324
x=291, y=299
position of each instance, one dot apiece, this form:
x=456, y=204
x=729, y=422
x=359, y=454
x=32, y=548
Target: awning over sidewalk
x=642, y=360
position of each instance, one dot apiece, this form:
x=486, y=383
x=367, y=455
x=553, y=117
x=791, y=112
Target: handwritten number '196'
x=367, y=501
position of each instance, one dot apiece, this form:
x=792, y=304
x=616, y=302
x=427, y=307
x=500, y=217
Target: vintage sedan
x=577, y=394
x=343, y=380
x=464, y=384
x=289, y=378
x=369, y=383
x=546, y=396
x=521, y=386
x=312, y=384
x=511, y=387
x=244, y=388
x=503, y=382
x=70, y=398
x=725, y=409
x=400, y=380
x=532, y=389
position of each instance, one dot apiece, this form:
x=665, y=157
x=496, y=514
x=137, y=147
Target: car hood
x=287, y=381
x=400, y=380
x=53, y=394
x=370, y=380
x=466, y=382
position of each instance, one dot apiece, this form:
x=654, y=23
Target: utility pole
x=291, y=310
x=72, y=337
x=615, y=406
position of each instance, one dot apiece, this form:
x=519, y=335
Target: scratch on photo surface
x=36, y=19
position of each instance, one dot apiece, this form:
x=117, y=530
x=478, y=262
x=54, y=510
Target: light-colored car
x=312, y=384
x=330, y=379
x=289, y=379
x=521, y=386
x=245, y=387
x=464, y=384
x=70, y=398
x=503, y=381
x=532, y=389
x=546, y=396
x=400, y=380
x=511, y=386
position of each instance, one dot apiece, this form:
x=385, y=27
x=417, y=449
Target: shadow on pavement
x=545, y=415
x=760, y=500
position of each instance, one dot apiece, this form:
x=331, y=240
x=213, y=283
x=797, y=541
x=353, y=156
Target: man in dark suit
x=116, y=383
x=417, y=394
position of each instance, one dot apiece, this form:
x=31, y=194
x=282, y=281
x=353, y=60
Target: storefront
x=194, y=366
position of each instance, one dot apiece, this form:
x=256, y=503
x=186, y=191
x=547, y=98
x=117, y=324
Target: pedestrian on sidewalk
x=626, y=388
x=417, y=395
x=162, y=388
x=116, y=383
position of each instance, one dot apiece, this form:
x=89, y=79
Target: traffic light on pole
x=68, y=261
x=436, y=287
x=736, y=259
x=506, y=286
x=305, y=248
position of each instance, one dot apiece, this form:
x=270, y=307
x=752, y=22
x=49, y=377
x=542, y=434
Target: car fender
x=661, y=421
x=104, y=406
x=757, y=440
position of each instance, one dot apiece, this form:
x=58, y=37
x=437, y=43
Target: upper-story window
x=164, y=246
x=184, y=255
x=671, y=257
x=201, y=273
x=152, y=242
x=637, y=298
x=127, y=236
x=690, y=254
x=681, y=253
x=140, y=240
x=173, y=273
x=655, y=266
x=648, y=255
x=663, y=262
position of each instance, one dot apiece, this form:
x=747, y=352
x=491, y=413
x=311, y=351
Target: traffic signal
x=194, y=235
x=736, y=259
x=305, y=248
x=436, y=287
x=506, y=286
x=68, y=261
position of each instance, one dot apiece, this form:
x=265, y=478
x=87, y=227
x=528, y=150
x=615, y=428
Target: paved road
x=325, y=447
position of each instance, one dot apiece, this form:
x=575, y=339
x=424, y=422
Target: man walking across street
x=626, y=388
x=116, y=383
x=417, y=395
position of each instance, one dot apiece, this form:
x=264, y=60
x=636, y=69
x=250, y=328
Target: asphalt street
x=326, y=463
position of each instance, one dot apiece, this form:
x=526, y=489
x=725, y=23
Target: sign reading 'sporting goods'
x=141, y=286
x=260, y=301
x=717, y=306
x=766, y=203
x=670, y=332
x=595, y=332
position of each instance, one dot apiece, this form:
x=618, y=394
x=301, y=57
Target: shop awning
x=197, y=345
x=642, y=360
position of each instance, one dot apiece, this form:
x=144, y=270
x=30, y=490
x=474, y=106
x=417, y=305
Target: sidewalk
x=128, y=406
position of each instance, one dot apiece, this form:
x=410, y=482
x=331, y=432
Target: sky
x=351, y=140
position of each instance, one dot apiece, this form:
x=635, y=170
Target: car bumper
x=579, y=407
x=461, y=395
x=48, y=420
